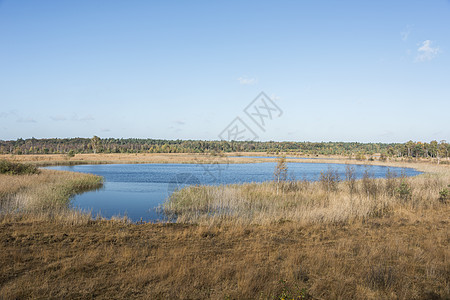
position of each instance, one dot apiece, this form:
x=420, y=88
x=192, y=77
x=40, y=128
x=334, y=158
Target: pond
x=136, y=190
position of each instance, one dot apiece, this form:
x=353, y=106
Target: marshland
x=250, y=149
x=335, y=237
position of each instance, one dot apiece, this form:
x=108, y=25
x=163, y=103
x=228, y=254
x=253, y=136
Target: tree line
x=433, y=149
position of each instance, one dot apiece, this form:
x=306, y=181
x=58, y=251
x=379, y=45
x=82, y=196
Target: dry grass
x=44, y=195
x=400, y=257
x=394, y=247
x=198, y=158
x=304, y=202
x=124, y=158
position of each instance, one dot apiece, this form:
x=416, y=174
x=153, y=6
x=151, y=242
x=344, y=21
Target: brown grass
x=124, y=158
x=400, y=253
x=45, y=194
x=401, y=257
x=326, y=201
x=203, y=158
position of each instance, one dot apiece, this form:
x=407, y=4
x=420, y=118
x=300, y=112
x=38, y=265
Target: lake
x=136, y=190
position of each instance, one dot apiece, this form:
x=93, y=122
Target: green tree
x=71, y=153
x=280, y=173
x=434, y=149
x=95, y=143
x=409, y=148
x=443, y=149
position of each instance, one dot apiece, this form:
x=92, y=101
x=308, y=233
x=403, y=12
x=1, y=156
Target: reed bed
x=44, y=195
x=329, y=200
x=332, y=239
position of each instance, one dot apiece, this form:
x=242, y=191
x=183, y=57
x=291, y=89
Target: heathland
x=335, y=238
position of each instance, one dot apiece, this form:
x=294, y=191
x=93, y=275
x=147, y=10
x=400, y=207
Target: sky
x=366, y=71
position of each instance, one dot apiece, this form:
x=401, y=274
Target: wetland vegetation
x=347, y=238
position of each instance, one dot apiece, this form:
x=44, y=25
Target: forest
x=72, y=146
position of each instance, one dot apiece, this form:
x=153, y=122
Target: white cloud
x=58, y=118
x=19, y=118
x=87, y=118
x=405, y=34
x=247, y=81
x=74, y=117
x=26, y=120
x=425, y=52
x=82, y=119
x=176, y=129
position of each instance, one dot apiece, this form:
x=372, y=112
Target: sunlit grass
x=46, y=194
x=307, y=202
x=378, y=239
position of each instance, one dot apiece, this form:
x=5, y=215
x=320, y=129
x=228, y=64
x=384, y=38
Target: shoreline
x=400, y=252
x=189, y=158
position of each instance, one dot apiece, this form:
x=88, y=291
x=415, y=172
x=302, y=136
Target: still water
x=136, y=190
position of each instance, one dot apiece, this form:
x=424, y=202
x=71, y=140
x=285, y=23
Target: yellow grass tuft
x=44, y=195
x=304, y=202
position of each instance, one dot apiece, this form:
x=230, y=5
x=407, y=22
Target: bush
x=12, y=168
x=329, y=180
x=360, y=156
x=369, y=183
x=404, y=191
x=350, y=178
x=71, y=153
x=390, y=182
x=444, y=195
x=280, y=173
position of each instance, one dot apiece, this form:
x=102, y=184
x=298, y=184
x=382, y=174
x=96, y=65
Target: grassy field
x=400, y=257
x=329, y=200
x=132, y=158
x=380, y=239
x=44, y=195
x=196, y=158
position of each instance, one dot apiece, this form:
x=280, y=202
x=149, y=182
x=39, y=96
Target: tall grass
x=46, y=193
x=328, y=200
x=398, y=251
x=14, y=168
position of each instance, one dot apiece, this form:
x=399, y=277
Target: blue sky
x=368, y=71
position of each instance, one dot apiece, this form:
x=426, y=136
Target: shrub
x=329, y=180
x=369, y=184
x=391, y=182
x=350, y=178
x=444, y=195
x=291, y=184
x=287, y=290
x=360, y=156
x=280, y=173
x=404, y=191
x=71, y=153
x=12, y=168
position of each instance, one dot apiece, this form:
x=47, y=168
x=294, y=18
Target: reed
x=382, y=239
x=45, y=194
x=327, y=201
x=13, y=168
